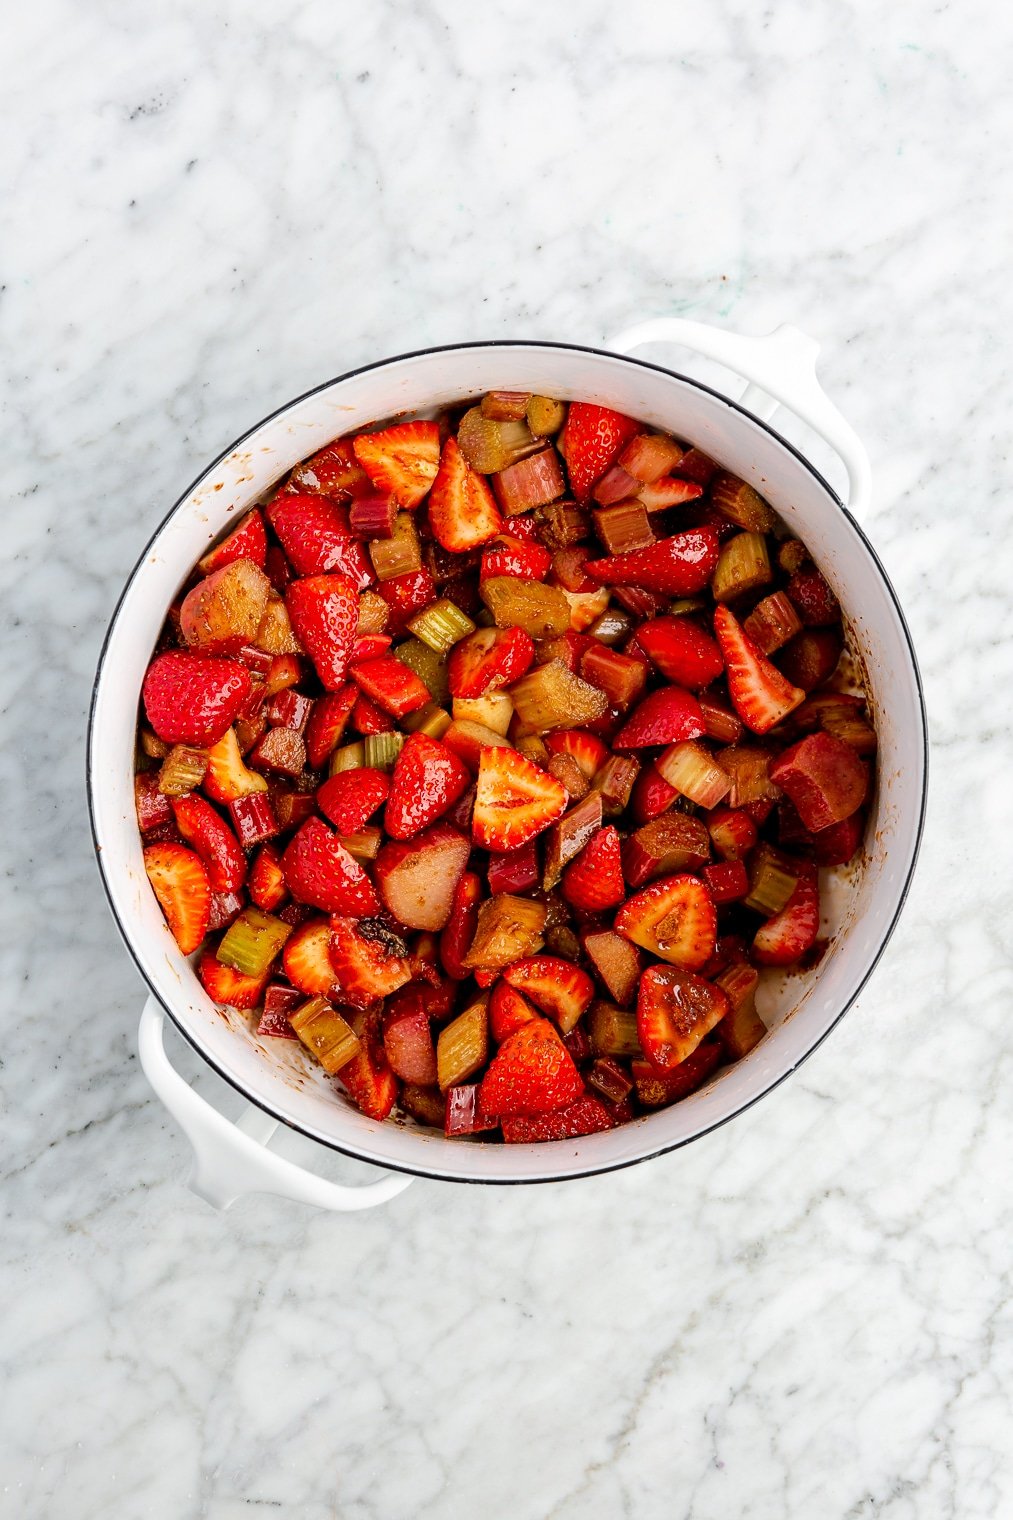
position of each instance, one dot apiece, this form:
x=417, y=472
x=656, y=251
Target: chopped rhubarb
x=531, y=482
x=617, y=963
x=463, y=1045
x=325, y=1033
x=692, y=770
x=508, y=928
x=673, y=842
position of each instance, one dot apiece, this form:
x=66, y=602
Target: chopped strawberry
x=306, y=958
x=315, y=535
x=418, y=877
x=225, y=908
x=488, y=659
x=817, y=606
x=367, y=1077
x=760, y=694
x=588, y=1116
x=678, y=566
x=590, y=441
x=428, y=779
x=402, y=460
x=652, y=795
x=787, y=936
x=556, y=987
x=824, y=777
x=325, y=615
x=223, y=984
x=369, y=960
x=153, y=808
x=594, y=881
x=213, y=840
x=675, y=1009
x=180, y=883
x=648, y=456
x=508, y=1010
x=726, y=880
x=248, y=540
x=667, y=492
x=319, y=871
x=462, y=509
x=674, y=918
x=368, y=646
x=392, y=685
x=532, y=1073
x=656, y=1089
x=367, y=718
x=733, y=833
x=586, y=749
x=681, y=650
x=194, y=698
x=349, y=799
x=664, y=717
x=514, y=800
x=406, y=595
x=455, y=941
x=327, y=723
x=511, y=556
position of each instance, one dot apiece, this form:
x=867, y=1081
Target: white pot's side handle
x=782, y=365
x=232, y=1159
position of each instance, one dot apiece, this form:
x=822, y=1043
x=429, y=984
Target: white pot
x=275, y=1076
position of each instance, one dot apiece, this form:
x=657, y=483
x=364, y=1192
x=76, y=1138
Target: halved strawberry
x=351, y=797
x=306, y=958
x=666, y=716
x=590, y=441
x=512, y=556
x=319, y=871
x=675, y=1009
x=759, y=692
x=508, y=1010
x=455, y=941
x=667, y=491
x=315, y=535
x=674, y=918
x=588, y=1116
x=594, y=881
x=369, y=960
x=248, y=540
x=180, y=883
x=367, y=718
x=787, y=936
x=194, y=698
x=488, y=659
x=418, y=877
x=391, y=685
x=556, y=987
x=678, y=566
x=532, y=1073
x=327, y=723
x=223, y=984
x=428, y=779
x=652, y=795
x=514, y=800
x=586, y=749
x=324, y=610
x=462, y=509
x=213, y=840
x=681, y=650
x=824, y=777
x=367, y=1077
x=402, y=460
x=368, y=646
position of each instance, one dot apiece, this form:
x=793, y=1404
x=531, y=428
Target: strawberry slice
x=824, y=777
x=508, y=1010
x=369, y=960
x=664, y=717
x=332, y=471
x=514, y=800
x=401, y=461
x=587, y=1116
x=787, y=936
x=675, y=1009
x=306, y=958
x=760, y=694
x=213, y=840
x=594, y=881
x=246, y=541
x=180, y=883
x=532, y=1073
x=324, y=610
x=319, y=871
x=367, y=1077
x=327, y=723
x=350, y=798
x=315, y=535
x=678, y=566
x=462, y=509
x=428, y=779
x=194, y=698
x=224, y=984
x=681, y=650
x=675, y=918
x=586, y=749
x=391, y=685
x=590, y=441
x=512, y=556
x=556, y=987
x=488, y=659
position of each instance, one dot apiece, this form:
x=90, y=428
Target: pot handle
x=230, y=1159
x=781, y=369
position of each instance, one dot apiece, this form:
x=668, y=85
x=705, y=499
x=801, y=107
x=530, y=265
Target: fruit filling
x=493, y=761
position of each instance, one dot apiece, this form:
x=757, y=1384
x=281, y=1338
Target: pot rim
x=547, y=1176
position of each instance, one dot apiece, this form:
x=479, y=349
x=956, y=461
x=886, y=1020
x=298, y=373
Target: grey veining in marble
x=206, y=210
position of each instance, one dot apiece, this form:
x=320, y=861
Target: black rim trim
x=616, y=1166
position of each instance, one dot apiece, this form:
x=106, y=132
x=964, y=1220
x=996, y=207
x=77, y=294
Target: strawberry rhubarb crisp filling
x=493, y=758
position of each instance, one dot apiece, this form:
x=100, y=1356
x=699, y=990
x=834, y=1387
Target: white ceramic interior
x=862, y=909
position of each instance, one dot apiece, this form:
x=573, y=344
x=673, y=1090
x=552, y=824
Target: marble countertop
x=210, y=209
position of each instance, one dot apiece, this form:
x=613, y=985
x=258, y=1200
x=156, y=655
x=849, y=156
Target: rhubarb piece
x=490, y=445
x=441, y=625
x=545, y=416
x=488, y=659
x=675, y=1010
x=253, y=942
x=772, y=622
x=505, y=406
x=648, y=456
x=617, y=485
x=845, y=722
x=541, y=611
x=674, y=918
x=508, y=1010
x=594, y=881
x=372, y=517
x=615, y=783
x=401, y=461
x=681, y=651
x=532, y=1073
x=285, y=671
x=811, y=594
x=247, y=540
x=290, y=709
x=664, y=717
x=613, y=1031
x=561, y=524
x=759, y=692
x=517, y=871
x=556, y=987
x=455, y=941
x=418, y=878
x=193, y=698
x=367, y=1078
x=381, y=750
x=749, y=768
x=282, y=751
x=610, y=1079
x=463, y=1112
x=640, y=603
x=733, y=833
x=553, y=697
x=587, y=1116
x=623, y=527
x=430, y=720
x=586, y=749
x=364, y=844
x=462, y=509
x=613, y=627
x=427, y=666
x=617, y=962
x=182, y=770
x=369, y=960
x=566, y=770
x=741, y=504
x=214, y=842
x=306, y=958
x=325, y=613
x=586, y=607
x=811, y=657
x=514, y=800
x=824, y=777
x=678, y=566
x=349, y=799
x=426, y=1104
x=772, y=880
x=493, y=711
x=225, y=985
x=621, y=677
x=153, y=808
x=325, y=1034
x=656, y=1089
x=743, y=566
x=463, y=1045
x=726, y=881
x=314, y=533
x=838, y=844
x=224, y=610
x=275, y=634
x=741, y=1029
x=320, y=872
x=374, y=609
x=400, y=554
x=590, y=442
x=652, y=796
x=567, y=837
x=408, y=1039
x=427, y=780
x=508, y=928
x=253, y=819
x=788, y=934
x=693, y=771
x=673, y=842
x=531, y=482
x=153, y=747
x=349, y=757
x=719, y=721
x=180, y=883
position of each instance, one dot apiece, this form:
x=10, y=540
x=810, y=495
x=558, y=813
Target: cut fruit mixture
x=494, y=758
